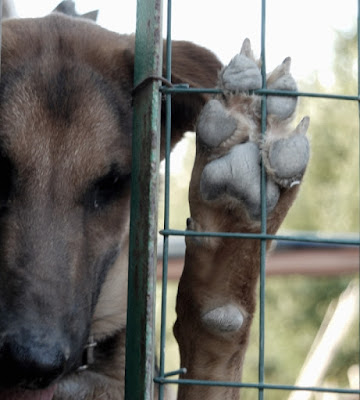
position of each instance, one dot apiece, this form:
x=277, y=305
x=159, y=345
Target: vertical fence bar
x=358, y=78
x=166, y=202
x=263, y=213
x=140, y=341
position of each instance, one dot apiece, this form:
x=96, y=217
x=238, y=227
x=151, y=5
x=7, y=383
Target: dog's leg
x=216, y=297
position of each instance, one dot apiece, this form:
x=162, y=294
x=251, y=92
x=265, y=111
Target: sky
x=302, y=29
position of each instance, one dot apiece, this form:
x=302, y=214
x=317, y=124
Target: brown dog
x=65, y=147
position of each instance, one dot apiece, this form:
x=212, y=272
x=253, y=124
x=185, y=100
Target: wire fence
x=140, y=342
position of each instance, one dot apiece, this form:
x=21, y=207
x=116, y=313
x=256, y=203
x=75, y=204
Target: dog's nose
x=28, y=362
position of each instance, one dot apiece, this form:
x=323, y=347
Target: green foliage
x=295, y=309
x=329, y=197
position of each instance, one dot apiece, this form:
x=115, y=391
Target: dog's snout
x=29, y=362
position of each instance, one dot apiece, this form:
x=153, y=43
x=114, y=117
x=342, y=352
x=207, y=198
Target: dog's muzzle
x=30, y=372
x=32, y=361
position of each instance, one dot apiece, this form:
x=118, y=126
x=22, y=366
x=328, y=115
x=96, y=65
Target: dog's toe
x=287, y=158
x=282, y=107
x=242, y=74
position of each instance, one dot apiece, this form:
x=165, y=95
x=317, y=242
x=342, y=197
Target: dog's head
x=65, y=161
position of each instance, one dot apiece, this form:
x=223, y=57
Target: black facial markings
x=106, y=189
x=7, y=181
x=118, y=101
x=107, y=349
x=61, y=95
x=9, y=81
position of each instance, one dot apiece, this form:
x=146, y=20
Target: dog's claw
x=188, y=223
x=285, y=65
x=295, y=183
x=246, y=49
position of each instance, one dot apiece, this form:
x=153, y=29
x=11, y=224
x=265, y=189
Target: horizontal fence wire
x=265, y=236
x=181, y=88
x=167, y=377
x=256, y=386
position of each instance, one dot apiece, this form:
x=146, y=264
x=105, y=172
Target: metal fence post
x=144, y=202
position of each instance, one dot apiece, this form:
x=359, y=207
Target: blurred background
x=312, y=291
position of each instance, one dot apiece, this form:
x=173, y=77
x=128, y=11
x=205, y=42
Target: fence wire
x=164, y=378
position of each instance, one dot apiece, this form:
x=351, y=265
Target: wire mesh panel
x=261, y=386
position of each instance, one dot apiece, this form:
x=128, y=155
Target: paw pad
x=215, y=124
x=224, y=319
x=237, y=174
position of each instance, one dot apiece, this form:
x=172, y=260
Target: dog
x=65, y=157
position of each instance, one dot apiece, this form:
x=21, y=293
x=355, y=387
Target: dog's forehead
x=66, y=117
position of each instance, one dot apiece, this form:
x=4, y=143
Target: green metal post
x=144, y=200
x=358, y=76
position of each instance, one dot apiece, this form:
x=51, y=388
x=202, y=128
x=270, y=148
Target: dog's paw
x=242, y=74
x=282, y=107
x=286, y=158
x=230, y=144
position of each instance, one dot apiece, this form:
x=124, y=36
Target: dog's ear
x=193, y=65
x=199, y=68
x=67, y=7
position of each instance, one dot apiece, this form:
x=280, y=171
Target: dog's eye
x=107, y=189
x=6, y=171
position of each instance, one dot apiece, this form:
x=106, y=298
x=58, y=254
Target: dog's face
x=65, y=161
